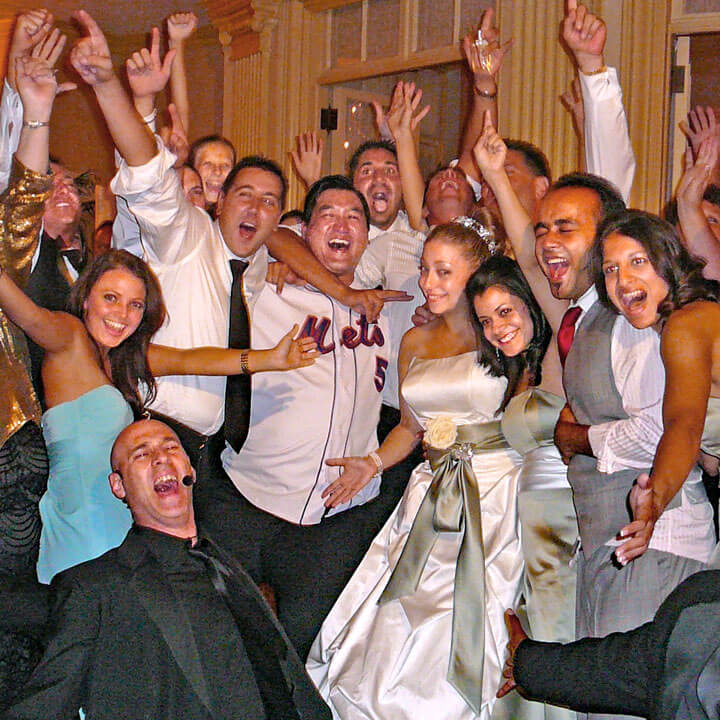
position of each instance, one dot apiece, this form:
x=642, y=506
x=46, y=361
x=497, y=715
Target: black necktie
x=237, y=394
x=265, y=647
x=75, y=258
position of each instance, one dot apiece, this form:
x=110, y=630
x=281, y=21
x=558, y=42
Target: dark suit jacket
x=665, y=669
x=120, y=636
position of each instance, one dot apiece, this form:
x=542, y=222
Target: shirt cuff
x=143, y=178
x=601, y=86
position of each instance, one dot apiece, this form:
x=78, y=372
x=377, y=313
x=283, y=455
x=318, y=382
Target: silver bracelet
x=35, y=124
x=377, y=460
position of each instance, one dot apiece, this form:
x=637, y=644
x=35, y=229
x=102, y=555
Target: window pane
x=346, y=33
x=383, y=29
x=435, y=23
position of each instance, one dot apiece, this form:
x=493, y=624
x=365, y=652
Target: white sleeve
x=608, y=152
x=370, y=271
x=170, y=226
x=11, y=118
x=640, y=379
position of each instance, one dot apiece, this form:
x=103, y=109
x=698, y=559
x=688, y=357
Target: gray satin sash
x=452, y=504
x=711, y=431
x=530, y=418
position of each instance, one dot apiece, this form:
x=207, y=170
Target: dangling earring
x=497, y=353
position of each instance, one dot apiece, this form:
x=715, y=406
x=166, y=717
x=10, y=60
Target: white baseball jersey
x=302, y=417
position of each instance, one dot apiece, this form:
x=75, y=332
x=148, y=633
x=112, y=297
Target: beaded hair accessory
x=479, y=229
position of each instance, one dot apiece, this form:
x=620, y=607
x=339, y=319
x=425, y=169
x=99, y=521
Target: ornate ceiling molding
x=241, y=22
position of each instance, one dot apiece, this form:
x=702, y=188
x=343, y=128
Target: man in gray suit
x=165, y=626
x=608, y=433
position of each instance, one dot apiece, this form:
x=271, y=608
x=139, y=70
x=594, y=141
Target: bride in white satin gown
x=433, y=645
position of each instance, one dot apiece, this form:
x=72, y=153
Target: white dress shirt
x=631, y=443
x=608, y=152
x=185, y=248
x=392, y=259
x=299, y=419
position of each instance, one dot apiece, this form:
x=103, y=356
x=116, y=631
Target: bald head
x=148, y=466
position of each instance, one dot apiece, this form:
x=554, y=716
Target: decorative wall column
x=644, y=73
x=272, y=61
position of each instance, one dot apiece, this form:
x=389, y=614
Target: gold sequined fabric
x=21, y=210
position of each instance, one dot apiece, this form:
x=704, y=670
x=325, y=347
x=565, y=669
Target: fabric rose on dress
x=441, y=432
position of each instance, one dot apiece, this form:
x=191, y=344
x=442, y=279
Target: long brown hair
x=128, y=361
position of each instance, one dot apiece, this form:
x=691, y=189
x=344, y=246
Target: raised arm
x=398, y=444
x=484, y=54
x=403, y=119
x=289, y=354
x=687, y=351
x=52, y=331
x=91, y=58
x=490, y=153
x=180, y=27
x=700, y=126
x=608, y=151
x=30, y=29
x=697, y=235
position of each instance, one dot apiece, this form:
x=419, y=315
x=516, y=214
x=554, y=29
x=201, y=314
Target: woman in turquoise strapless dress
x=98, y=370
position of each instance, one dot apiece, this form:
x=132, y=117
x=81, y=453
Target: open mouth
x=247, y=230
x=338, y=244
x=380, y=201
x=165, y=484
x=556, y=268
x=633, y=302
x=116, y=328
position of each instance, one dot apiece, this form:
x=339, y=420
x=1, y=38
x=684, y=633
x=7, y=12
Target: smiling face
x=337, y=232
x=632, y=283
x=149, y=464
x=377, y=177
x=114, y=307
x=448, y=196
x=529, y=188
x=249, y=212
x=504, y=319
x=192, y=187
x=62, y=208
x=565, y=232
x=213, y=162
x=444, y=272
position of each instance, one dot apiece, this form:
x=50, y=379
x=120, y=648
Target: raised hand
x=700, y=126
x=485, y=54
x=291, y=352
x=645, y=515
x=37, y=86
x=357, y=473
x=147, y=74
x=403, y=115
x=490, y=150
x=572, y=100
x=698, y=174
x=31, y=28
x=585, y=35
x=90, y=55
x=308, y=156
x=51, y=47
x=180, y=27
x=175, y=137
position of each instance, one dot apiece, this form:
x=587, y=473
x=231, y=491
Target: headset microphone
x=188, y=480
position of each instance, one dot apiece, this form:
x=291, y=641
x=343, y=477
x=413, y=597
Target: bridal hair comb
x=472, y=224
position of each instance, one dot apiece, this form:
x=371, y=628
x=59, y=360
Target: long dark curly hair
x=128, y=361
x=681, y=271
x=503, y=272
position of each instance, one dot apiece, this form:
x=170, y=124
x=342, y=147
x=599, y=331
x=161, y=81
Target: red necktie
x=567, y=331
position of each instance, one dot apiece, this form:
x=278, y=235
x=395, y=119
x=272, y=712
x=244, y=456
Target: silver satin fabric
x=711, y=432
x=390, y=661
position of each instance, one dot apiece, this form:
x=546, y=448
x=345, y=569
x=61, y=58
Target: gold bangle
x=244, y=368
x=601, y=69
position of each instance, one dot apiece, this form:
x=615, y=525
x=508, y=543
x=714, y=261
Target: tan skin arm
x=687, y=351
x=91, y=58
x=288, y=354
x=398, y=444
x=402, y=123
x=180, y=27
x=284, y=245
x=490, y=153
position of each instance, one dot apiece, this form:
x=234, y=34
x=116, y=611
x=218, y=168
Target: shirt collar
x=587, y=299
